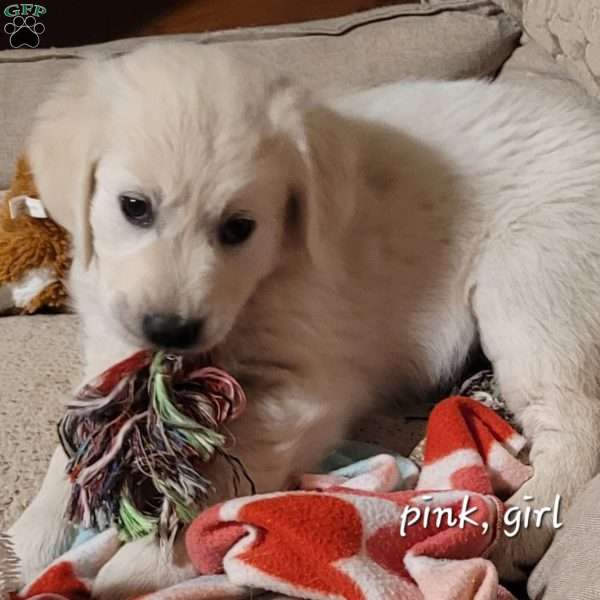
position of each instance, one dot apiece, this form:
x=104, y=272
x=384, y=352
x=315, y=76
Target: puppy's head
x=183, y=173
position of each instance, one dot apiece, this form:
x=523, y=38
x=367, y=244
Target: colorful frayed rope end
x=138, y=438
x=9, y=567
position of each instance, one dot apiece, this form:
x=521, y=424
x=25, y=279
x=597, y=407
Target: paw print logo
x=24, y=32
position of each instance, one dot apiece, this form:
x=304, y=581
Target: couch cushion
x=568, y=31
x=41, y=363
x=436, y=39
x=530, y=64
x=570, y=568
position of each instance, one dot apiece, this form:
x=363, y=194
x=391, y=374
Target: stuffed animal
x=34, y=251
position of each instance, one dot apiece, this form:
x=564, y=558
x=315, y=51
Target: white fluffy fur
x=397, y=228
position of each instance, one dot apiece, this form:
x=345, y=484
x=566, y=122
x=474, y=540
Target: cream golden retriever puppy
x=333, y=252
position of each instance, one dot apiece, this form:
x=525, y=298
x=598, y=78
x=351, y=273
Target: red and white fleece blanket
x=349, y=537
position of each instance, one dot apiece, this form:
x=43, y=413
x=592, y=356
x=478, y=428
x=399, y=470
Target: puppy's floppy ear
x=325, y=146
x=63, y=148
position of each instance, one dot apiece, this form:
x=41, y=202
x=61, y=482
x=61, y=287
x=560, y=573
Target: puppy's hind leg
x=539, y=320
x=41, y=533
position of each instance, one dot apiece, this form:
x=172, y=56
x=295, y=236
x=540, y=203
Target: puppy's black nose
x=171, y=331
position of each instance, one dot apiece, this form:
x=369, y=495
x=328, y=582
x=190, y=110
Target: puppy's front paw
x=532, y=514
x=141, y=567
x=38, y=538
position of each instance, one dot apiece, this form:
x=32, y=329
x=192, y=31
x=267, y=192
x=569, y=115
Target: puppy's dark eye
x=236, y=230
x=137, y=209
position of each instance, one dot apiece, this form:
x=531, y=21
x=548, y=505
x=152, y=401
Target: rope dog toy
x=137, y=438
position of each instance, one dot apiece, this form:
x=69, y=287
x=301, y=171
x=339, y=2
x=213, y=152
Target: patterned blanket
x=353, y=534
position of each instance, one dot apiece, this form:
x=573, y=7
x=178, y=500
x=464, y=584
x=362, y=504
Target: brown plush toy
x=34, y=252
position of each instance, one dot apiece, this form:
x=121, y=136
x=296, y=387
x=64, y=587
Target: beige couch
x=432, y=39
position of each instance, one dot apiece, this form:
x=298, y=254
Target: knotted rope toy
x=138, y=437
